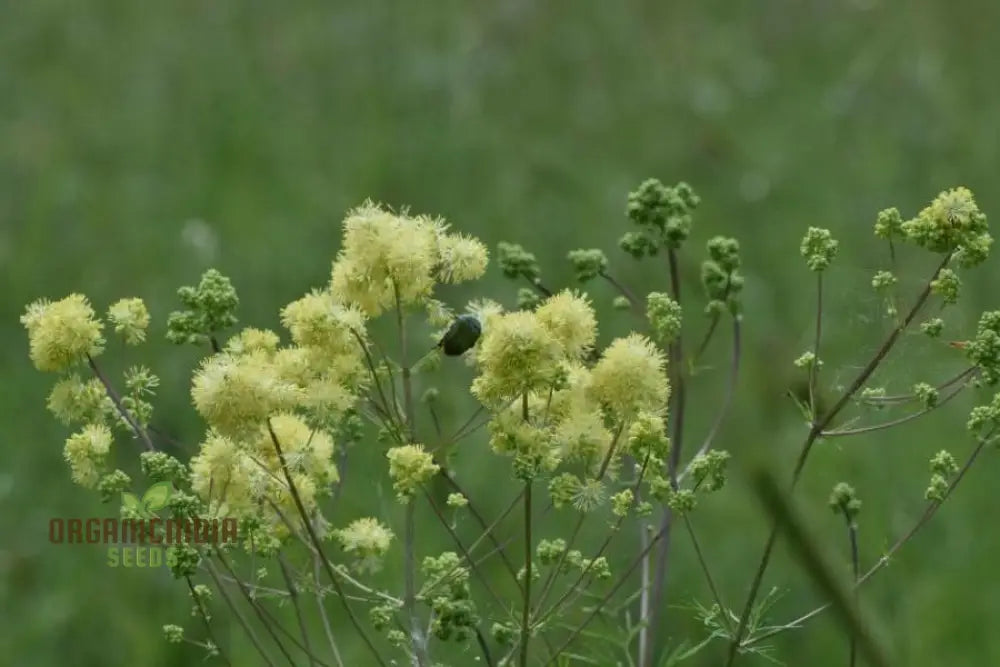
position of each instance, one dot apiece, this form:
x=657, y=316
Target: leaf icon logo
x=156, y=497
x=131, y=502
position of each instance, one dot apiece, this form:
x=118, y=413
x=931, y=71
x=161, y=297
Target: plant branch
x=319, y=548
x=117, y=401
x=925, y=517
x=727, y=401
x=676, y=356
x=818, y=427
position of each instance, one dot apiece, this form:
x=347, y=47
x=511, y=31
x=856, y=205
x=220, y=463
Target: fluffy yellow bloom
x=253, y=340
x=86, y=452
x=530, y=443
x=130, y=319
x=461, y=258
x=306, y=450
x=245, y=479
x=62, y=333
x=517, y=354
x=631, y=377
x=221, y=472
x=329, y=385
x=383, y=252
x=366, y=537
x=409, y=467
x=385, y=255
x=236, y=394
x=72, y=400
x=647, y=433
x=570, y=318
x=316, y=320
x=367, y=540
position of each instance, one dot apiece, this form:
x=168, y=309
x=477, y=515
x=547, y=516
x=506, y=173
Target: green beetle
x=461, y=335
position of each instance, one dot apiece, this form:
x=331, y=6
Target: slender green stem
x=417, y=640
x=814, y=367
x=293, y=594
x=819, y=425
x=255, y=606
x=852, y=531
x=120, y=407
x=204, y=617
x=839, y=433
x=633, y=301
x=327, y=629
x=238, y=615
x=676, y=415
x=929, y=511
x=317, y=545
x=526, y=598
x=727, y=401
x=526, y=603
x=708, y=574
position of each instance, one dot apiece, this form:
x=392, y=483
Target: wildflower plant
x=592, y=432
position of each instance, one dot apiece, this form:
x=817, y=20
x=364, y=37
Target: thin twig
x=116, y=399
x=239, y=616
x=814, y=433
x=203, y=613
x=708, y=574
x=727, y=401
x=255, y=606
x=319, y=548
x=293, y=594
x=676, y=415
x=929, y=511
x=839, y=433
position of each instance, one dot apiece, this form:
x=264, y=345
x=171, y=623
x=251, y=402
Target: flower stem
x=526, y=606
x=819, y=425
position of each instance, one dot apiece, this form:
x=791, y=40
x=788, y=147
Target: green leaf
x=130, y=500
x=156, y=496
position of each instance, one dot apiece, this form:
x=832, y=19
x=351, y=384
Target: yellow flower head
x=62, y=333
x=517, y=354
x=130, y=319
x=385, y=256
x=316, y=320
x=631, y=377
x=570, y=318
x=306, y=451
x=72, y=400
x=365, y=537
x=409, y=467
x=236, y=394
x=461, y=258
x=253, y=340
x=86, y=452
x=381, y=253
x=220, y=472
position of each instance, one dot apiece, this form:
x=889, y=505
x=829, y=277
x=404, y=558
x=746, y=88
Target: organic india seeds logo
x=140, y=537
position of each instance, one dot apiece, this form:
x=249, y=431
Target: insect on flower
x=461, y=335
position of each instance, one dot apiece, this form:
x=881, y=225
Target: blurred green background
x=142, y=142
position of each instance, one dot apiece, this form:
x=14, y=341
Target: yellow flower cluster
x=385, y=256
x=86, y=452
x=255, y=382
x=631, y=377
x=409, y=467
x=244, y=478
x=130, y=319
x=62, y=333
x=566, y=411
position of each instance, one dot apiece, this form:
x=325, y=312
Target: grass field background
x=141, y=143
